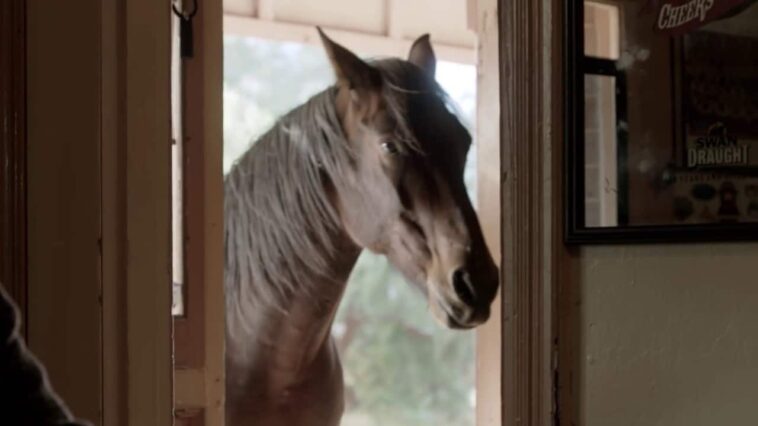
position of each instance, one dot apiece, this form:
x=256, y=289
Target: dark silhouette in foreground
x=26, y=397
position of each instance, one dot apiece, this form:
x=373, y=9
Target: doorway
x=264, y=30
x=400, y=366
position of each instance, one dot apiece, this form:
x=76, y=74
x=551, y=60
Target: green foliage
x=401, y=367
x=263, y=80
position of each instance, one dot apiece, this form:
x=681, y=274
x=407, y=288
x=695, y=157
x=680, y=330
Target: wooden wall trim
x=367, y=43
x=533, y=252
x=13, y=239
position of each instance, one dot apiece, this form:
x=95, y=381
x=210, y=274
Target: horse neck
x=279, y=345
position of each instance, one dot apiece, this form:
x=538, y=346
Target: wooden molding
x=533, y=252
x=369, y=44
x=13, y=239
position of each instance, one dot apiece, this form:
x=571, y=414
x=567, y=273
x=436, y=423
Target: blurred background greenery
x=401, y=367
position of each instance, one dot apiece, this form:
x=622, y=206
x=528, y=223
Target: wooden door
x=13, y=151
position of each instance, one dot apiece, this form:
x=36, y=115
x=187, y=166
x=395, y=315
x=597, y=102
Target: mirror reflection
x=670, y=112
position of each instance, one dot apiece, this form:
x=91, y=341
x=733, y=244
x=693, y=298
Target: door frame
x=537, y=266
x=199, y=335
x=537, y=287
x=537, y=304
x=136, y=386
x=137, y=334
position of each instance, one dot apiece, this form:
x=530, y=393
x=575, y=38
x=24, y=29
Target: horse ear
x=350, y=68
x=422, y=55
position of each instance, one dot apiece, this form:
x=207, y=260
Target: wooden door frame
x=489, y=184
x=13, y=240
x=537, y=304
x=146, y=139
x=135, y=239
x=199, y=335
x=536, y=377
x=137, y=386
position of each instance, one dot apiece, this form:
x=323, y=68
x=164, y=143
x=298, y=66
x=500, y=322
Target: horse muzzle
x=468, y=304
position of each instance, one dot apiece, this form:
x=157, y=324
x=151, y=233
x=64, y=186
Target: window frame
x=607, y=67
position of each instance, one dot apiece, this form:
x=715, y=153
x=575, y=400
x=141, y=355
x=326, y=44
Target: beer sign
x=676, y=17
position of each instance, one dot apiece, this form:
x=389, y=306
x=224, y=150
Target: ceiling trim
x=369, y=44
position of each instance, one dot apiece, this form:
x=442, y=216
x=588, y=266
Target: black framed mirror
x=661, y=115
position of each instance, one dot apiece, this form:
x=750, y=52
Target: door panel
x=13, y=274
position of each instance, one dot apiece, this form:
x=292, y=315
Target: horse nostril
x=463, y=287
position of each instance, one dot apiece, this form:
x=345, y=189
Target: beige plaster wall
x=669, y=335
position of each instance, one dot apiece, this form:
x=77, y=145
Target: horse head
x=404, y=194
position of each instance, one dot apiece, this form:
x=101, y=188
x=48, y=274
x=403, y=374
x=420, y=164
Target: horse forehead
x=438, y=131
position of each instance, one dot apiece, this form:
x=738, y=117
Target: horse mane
x=279, y=219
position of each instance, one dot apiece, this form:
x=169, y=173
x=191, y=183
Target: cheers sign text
x=680, y=16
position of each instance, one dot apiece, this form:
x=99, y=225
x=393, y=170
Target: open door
x=13, y=151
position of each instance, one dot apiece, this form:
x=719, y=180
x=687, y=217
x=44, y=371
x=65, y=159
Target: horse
x=373, y=162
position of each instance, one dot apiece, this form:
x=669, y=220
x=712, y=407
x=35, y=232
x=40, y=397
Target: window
x=604, y=115
x=177, y=178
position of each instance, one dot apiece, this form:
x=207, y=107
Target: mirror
x=662, y=120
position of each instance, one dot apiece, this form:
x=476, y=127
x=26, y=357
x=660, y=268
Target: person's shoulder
x=8, y=317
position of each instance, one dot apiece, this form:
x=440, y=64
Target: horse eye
x=390, y=148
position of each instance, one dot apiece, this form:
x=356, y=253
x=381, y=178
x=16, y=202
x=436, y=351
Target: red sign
x=675, y=17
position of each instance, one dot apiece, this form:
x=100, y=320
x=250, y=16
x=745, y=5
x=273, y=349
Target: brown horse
x=374, y=162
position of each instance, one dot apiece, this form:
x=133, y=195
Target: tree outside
x=401, y=367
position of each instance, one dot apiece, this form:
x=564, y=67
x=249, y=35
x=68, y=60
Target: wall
x=669, y=335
